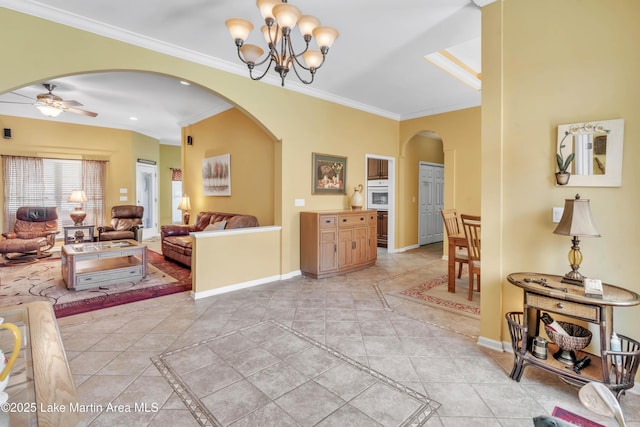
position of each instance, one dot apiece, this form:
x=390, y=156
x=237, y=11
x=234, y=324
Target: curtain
x=176, y=174
x=94, y=175
x=23, y=186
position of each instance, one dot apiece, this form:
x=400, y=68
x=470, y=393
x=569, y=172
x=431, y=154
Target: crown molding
x=49, y=13
x=482, y=3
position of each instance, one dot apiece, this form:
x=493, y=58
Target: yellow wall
x=550, y=67
x=242, y=258
x=170, y=157
x=252, y=166
x=460, y=133
x=302, y=124
x=48, y=138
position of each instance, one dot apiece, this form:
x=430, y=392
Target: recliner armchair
x=126, y=221
x=33, y=234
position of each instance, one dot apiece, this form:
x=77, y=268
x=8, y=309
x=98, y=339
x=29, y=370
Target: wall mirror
x=597, y=150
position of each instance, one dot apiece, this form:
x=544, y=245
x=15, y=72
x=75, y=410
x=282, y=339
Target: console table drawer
x=122, y=274
x=348, y=220
x=328, y=221
x=584, y=311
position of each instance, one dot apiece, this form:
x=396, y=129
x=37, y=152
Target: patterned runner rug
x=270, y=374
x=434, y=292
x=43, y=280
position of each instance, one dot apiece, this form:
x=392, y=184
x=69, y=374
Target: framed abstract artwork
x=216, y=175
x=329, y=174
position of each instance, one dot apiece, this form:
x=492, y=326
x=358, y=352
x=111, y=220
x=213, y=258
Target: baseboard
x=491, y=344
x=243, y=285
x=406, y=248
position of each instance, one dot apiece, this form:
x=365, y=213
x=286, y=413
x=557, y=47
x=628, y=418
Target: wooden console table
x=568, y=300
x=41, y=388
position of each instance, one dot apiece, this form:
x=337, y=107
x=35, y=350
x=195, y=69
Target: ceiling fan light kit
x=280, y=19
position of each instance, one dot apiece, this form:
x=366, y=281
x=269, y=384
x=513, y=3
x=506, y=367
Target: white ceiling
x=375, y=65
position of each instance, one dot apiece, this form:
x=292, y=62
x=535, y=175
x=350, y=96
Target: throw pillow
x=216, y=226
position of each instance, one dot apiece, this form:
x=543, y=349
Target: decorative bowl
x=578, y=338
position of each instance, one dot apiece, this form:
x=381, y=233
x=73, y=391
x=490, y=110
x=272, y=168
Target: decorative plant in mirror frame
x=562, y=176
x=590, y=144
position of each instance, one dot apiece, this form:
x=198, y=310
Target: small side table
x=78, y=234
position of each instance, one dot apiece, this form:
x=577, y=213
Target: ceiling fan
x=52, y=105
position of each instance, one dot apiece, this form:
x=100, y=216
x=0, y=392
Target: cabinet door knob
x=560, y=305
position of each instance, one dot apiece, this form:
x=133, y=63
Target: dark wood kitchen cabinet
x=377, y=169
x=382, y=229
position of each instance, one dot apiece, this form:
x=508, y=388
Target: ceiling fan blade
x=70, y=103
x=83, y=112
x=16, y=102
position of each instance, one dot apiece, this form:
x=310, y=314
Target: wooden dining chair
x=471, y=226
x=452, y=225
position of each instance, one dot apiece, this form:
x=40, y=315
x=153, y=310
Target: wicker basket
x=578, y=338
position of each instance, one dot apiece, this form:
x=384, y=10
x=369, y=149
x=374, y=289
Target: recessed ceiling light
x=182, y=82
x=133, y=118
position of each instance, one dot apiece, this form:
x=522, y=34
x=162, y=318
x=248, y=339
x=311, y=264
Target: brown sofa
x=177, y=244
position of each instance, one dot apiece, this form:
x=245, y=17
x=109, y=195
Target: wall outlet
x=557, y=214
x=124, y=191
x=123, y=198
x=299, y=202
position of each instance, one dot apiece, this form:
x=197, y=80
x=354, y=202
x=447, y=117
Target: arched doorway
x=424, y=181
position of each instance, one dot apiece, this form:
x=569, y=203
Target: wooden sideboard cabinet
x=335, y=242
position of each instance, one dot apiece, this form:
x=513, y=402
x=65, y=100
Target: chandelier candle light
x=280, y=19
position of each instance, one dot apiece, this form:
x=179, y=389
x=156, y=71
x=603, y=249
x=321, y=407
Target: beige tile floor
x=433, y=352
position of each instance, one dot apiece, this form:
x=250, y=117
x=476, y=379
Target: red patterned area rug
x=434, y=292
x=43, y=280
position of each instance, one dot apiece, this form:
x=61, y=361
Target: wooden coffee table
x=89, y=265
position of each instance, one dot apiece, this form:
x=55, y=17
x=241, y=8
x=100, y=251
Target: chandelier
x=280, y=19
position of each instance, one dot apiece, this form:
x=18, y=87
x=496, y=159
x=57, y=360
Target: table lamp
x=78, y=215
x=576, y=221
x=185, y=206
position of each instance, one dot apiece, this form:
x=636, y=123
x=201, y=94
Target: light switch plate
x=299, y=202
x=123, y=198
x=557, y=214
x=124, y=191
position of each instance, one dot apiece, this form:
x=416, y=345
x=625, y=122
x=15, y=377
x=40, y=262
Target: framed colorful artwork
x=329, y=174
x=216, y=175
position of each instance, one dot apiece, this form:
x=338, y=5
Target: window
x=49, y=182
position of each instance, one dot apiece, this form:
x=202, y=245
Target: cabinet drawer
x=328, y=221
x=347, y=220
x=584, y=311
x=120, y=274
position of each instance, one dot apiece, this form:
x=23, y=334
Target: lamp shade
x=239, y=28
x=576, y=219
x=77, y=196
x=185, y=203
x=48, y=110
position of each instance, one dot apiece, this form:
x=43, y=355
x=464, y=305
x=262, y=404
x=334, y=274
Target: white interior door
x=146, y=196
x=430, y=203
x=176, y=196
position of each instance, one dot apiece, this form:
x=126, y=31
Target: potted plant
x=562, y=176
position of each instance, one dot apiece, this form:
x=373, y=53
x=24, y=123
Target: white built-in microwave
x=378, y=194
